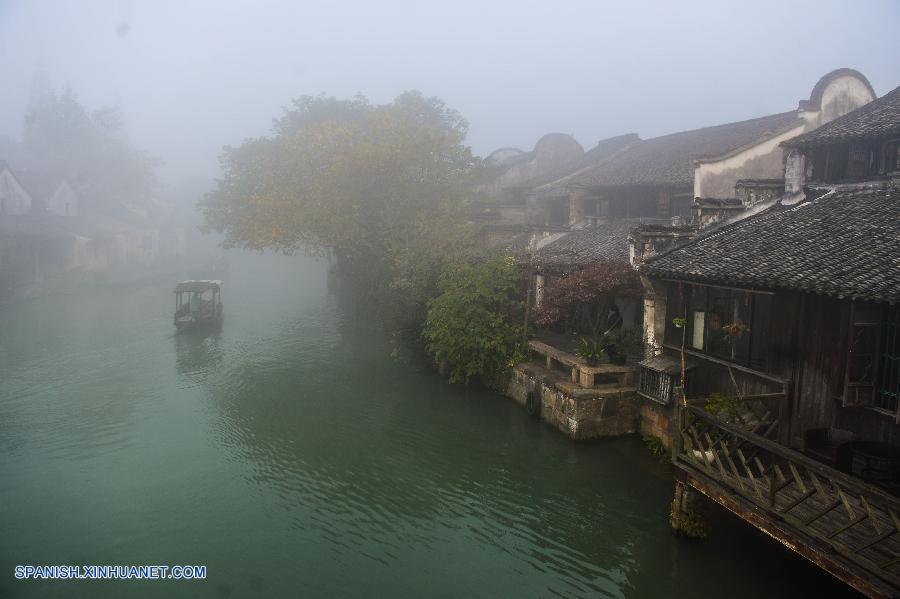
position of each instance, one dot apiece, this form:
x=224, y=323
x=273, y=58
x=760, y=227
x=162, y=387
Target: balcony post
x=684, y=518
x=677, y=440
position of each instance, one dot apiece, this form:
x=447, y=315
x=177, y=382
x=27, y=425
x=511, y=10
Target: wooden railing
x=840, y=514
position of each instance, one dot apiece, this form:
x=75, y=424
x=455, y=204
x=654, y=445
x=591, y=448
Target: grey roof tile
x=669, y=160
x=845, y=243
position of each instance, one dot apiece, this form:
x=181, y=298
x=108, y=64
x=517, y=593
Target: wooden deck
x=847, y=527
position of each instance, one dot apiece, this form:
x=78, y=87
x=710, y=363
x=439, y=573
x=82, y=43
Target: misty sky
x=191, y=76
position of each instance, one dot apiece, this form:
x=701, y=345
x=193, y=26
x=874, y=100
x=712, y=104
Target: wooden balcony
x=845, y=526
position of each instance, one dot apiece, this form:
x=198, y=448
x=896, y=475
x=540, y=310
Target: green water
x=294, y=458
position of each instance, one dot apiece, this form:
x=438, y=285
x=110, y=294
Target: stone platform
x=604, y=410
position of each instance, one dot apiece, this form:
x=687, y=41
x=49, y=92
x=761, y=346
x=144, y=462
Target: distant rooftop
x=669, y=159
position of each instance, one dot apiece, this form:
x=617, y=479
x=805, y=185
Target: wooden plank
x=798, y=458
x=737, y=476
x=798, y=541
x=753, y=482
x=816, y=515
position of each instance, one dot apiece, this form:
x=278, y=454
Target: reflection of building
x=788, y=314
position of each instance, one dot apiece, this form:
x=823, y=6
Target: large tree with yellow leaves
x=383, y=187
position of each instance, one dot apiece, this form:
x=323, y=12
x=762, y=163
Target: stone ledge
x=581, y=413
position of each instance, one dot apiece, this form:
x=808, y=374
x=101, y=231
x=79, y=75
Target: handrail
x=727, y=364
x=795, y=456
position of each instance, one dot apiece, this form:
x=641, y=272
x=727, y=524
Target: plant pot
x=593, y=361
x=615, y=357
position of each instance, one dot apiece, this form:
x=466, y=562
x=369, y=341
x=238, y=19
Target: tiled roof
x=843, y=244
x=606, y=149
x=516, y=245
x=603, y=149
x=878, y=118
x=603, y=243
x=669, y=160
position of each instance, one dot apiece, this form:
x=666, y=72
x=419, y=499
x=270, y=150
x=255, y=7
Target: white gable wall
x=63, y=202
x=14, y=199
x=715, y=178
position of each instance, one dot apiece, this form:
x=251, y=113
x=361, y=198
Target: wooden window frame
x=852, y=388
x=687, y=304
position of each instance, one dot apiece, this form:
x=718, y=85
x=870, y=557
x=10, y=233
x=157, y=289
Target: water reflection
x=373, y=460
x=290, y=454
x=197, y=353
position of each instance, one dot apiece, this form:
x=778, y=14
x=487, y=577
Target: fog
x=192, y=76
x=277, y=319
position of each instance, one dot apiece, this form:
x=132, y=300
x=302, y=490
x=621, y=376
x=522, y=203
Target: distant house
x=502, y=209
x=15, y=199
x=670, y=176
x=49, y=194
x=63, y=201
x=23, y=192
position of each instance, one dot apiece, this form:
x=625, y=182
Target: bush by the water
x=474, y=327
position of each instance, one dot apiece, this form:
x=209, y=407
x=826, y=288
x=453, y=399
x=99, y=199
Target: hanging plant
x=735, y=330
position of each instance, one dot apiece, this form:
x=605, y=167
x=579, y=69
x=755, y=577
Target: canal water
x=293, y=457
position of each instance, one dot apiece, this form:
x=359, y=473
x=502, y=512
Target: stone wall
x=751, y=192
x=657, y=421
x=610, y=415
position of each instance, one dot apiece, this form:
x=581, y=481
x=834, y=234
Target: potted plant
x=619, y=344
x=735, y=330
x=590, y=351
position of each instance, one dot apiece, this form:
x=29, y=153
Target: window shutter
x=862, y=355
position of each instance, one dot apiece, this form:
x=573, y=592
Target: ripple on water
x=288, y=445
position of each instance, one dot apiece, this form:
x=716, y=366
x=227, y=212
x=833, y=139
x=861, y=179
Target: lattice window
x=889, y=371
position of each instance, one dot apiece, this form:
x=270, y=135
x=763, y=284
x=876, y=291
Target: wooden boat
x=198, y=303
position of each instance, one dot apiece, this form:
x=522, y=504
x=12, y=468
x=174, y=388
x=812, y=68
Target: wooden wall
x=822, y=359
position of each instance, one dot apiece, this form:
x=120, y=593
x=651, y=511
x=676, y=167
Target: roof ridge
x=722, y=125
x=603, y=160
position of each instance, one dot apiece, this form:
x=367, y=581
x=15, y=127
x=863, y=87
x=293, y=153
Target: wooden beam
x=795, y=540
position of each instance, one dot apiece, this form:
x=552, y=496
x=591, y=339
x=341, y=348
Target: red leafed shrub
x=584, y=293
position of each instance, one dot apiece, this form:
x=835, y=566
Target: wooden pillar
x=684, y=518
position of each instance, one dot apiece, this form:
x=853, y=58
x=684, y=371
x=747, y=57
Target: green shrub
x=589, y=349
x=723, y=406
x=474, y=327
x=657, y=448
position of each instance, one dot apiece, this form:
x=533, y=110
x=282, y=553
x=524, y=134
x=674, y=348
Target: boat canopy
x=198, y=286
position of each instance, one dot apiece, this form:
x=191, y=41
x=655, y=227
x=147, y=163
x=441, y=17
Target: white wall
x=13, y=197
x=765, y=160
x=63, y=202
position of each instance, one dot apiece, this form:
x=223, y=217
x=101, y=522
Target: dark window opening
x=726, y=323
x=558, y=213
x=858, y=161
x=862, y=355
x=836, y=162
x=891, y=157
x=889, y=372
